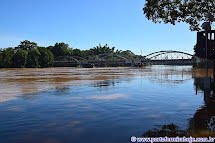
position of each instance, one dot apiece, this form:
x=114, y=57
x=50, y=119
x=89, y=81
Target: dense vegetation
x=29, y=54
x=192, y=12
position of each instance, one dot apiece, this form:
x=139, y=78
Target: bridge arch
x=119, y=57
x=169, y=54
x=75, y=59
x=107, y=57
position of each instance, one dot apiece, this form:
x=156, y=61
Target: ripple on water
x=75, y=105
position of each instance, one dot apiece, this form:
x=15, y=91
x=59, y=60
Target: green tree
x=33, y=58
x=19, y=58
x=60, y=49
x=192, y=12
x=77, y=52
x=7, y=55
x=118, y=51
x=102, y=49
x=46, y=58
x=27, y=45
x=85, y=53
x=128, y=54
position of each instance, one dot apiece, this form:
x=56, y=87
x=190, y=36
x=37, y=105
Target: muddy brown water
x=60, y=105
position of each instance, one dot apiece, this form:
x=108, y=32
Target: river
x=108, y=105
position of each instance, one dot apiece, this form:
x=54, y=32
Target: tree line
x=28, y=54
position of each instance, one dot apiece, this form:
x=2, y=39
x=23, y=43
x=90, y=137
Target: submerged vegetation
x=170, y=130
x=29, y=54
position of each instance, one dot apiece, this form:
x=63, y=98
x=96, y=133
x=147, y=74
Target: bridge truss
x=99, y=58
x=168, y=55
x=71, y=59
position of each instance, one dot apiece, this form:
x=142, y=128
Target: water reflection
x=106, y=83
x=16, y=82
x=82, y=105
x=202, y=124
x=171, y=79
x=174, y=75
x=109, y=97
x=199, y=84
x=62, y=89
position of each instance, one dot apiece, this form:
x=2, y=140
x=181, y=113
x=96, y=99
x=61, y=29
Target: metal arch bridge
x=169, y=54
x=74, y=59
x=170, y=57
x=161, y=57
x=107, y=58
x=100, y=57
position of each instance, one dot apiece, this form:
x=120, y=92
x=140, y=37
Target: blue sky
x=84, y=24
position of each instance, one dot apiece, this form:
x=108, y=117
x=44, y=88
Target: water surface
x=78, y=105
